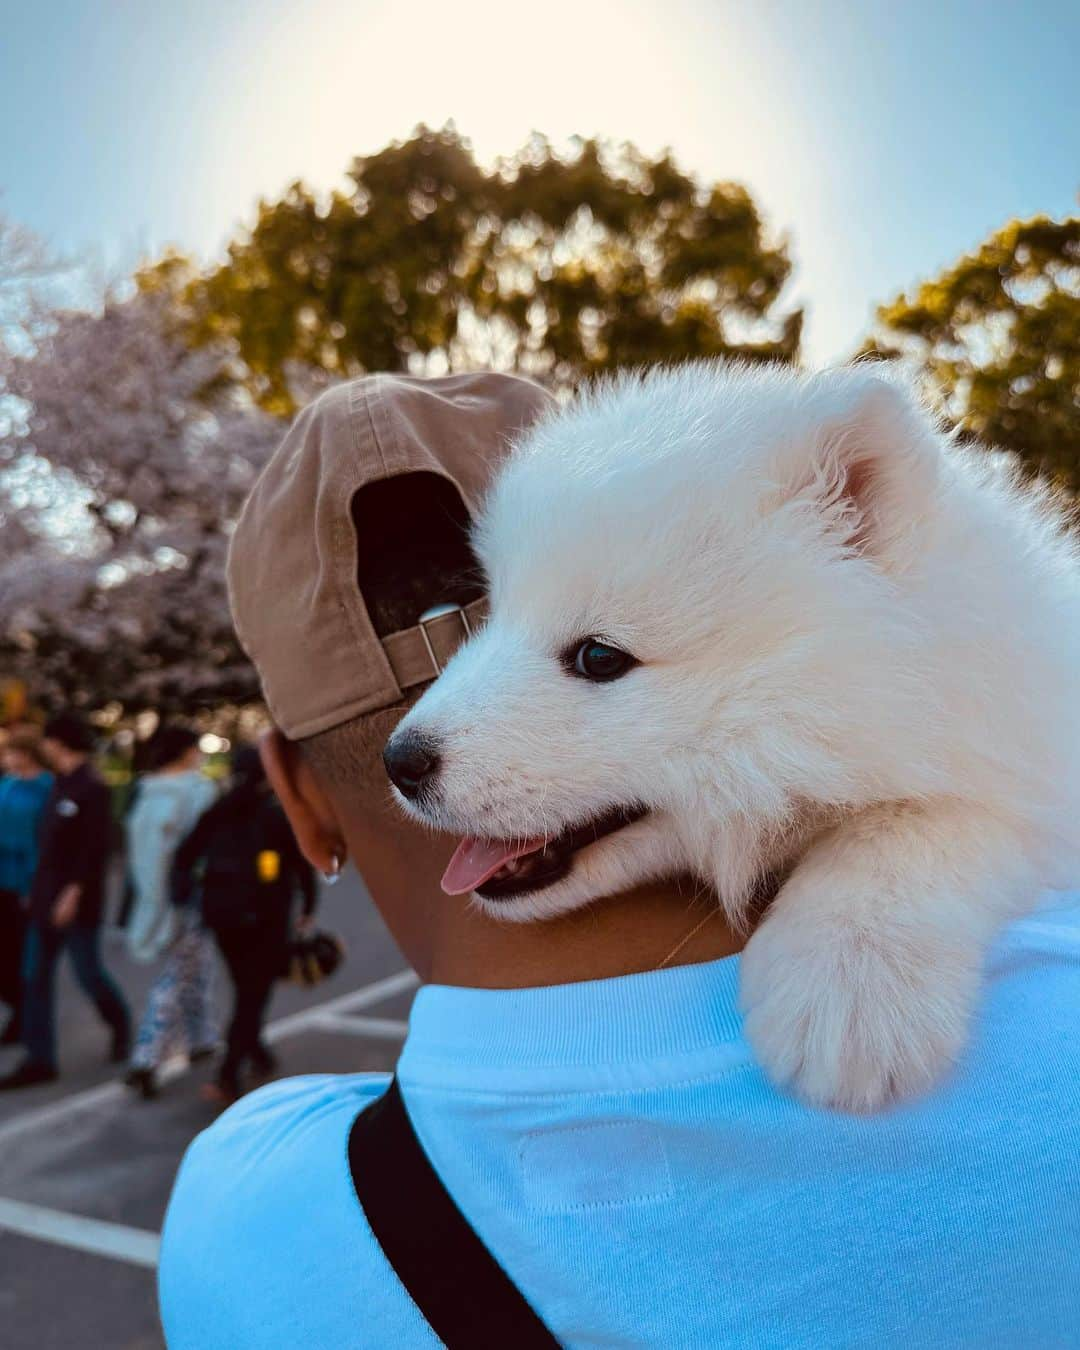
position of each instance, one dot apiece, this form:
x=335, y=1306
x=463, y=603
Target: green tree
x=998, y=337
x=555, y=264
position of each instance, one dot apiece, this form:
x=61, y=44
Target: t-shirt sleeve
x=264, y=1243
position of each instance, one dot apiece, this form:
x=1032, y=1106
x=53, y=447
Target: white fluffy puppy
x=749, y=623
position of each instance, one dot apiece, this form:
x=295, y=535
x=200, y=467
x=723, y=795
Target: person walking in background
x=24, y=788
x=244, y=864
x=172, y=795
x=66, y=901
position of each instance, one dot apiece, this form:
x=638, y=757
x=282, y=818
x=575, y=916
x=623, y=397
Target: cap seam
x=337, y=531
x=242, y=638
x=370, y=410
x=391, y=690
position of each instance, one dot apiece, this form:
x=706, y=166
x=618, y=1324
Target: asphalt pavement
x=86, y=1169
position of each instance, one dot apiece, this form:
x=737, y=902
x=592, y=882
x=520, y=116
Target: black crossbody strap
x=469, y=1301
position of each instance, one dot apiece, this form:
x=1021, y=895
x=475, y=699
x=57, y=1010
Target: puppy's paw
x=849, y=1017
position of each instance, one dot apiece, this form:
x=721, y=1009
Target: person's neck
x=70, y=763
x=666, y=924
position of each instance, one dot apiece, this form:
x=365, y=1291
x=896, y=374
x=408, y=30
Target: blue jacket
x=22, y=801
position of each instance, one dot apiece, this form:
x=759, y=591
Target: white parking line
x=44, y=1116
x=305, y=1020
x=137, y=1246
x=400, y=983
x=386, y=1027
x=79, y=1102
x=134, y=1245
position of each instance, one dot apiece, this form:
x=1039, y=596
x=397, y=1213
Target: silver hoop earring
x=334, y=875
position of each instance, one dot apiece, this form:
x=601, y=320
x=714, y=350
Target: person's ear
x=311, y=813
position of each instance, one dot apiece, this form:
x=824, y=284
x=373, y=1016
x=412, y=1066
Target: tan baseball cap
x=292, y=570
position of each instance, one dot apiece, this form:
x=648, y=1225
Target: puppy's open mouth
x=499, y=868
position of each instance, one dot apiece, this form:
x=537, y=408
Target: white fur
x=860, y=650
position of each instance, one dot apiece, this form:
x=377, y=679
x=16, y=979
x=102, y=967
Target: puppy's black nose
x=411, y=762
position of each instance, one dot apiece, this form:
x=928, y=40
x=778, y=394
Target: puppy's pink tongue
x=476, y=860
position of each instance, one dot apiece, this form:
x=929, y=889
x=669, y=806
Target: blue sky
x=884, y=138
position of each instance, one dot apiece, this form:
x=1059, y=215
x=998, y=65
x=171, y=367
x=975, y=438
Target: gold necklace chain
x=686, y=938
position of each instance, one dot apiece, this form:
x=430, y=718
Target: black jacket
x=73, y=846
x=218, y=863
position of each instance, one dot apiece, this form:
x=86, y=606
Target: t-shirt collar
x=574, y=1035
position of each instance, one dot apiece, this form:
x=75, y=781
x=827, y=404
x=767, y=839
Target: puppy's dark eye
x=596, y=660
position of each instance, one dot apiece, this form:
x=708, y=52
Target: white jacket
x=165, y=811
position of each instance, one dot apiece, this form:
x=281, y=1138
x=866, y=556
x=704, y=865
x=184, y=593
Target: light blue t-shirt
x=617, y=1148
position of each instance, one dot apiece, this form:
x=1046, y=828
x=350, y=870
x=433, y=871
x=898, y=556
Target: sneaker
x=28, y=1074
x=219, y=1094
x=142, y=1081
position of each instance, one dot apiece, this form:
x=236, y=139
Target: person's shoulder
x=204, y=790
x=37, y=787
x=199, y=796
x=289, y=1104
x=274, y=1125
x=86, y=784
x=263, y=1195
x=1052, y=929
x=181, y=794
x=1026, y=1041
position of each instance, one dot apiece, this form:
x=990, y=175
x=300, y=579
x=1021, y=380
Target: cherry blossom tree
x=125, y=455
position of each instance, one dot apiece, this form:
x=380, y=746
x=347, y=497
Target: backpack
x=245, y=877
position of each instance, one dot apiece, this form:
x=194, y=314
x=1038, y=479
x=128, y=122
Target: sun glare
x=706, y=80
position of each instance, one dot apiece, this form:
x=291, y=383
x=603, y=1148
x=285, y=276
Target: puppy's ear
x=874, y=465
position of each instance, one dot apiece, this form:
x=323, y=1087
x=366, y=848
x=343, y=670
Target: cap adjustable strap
x=419, y=654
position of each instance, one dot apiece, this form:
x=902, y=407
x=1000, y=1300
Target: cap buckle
x=440, y=612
